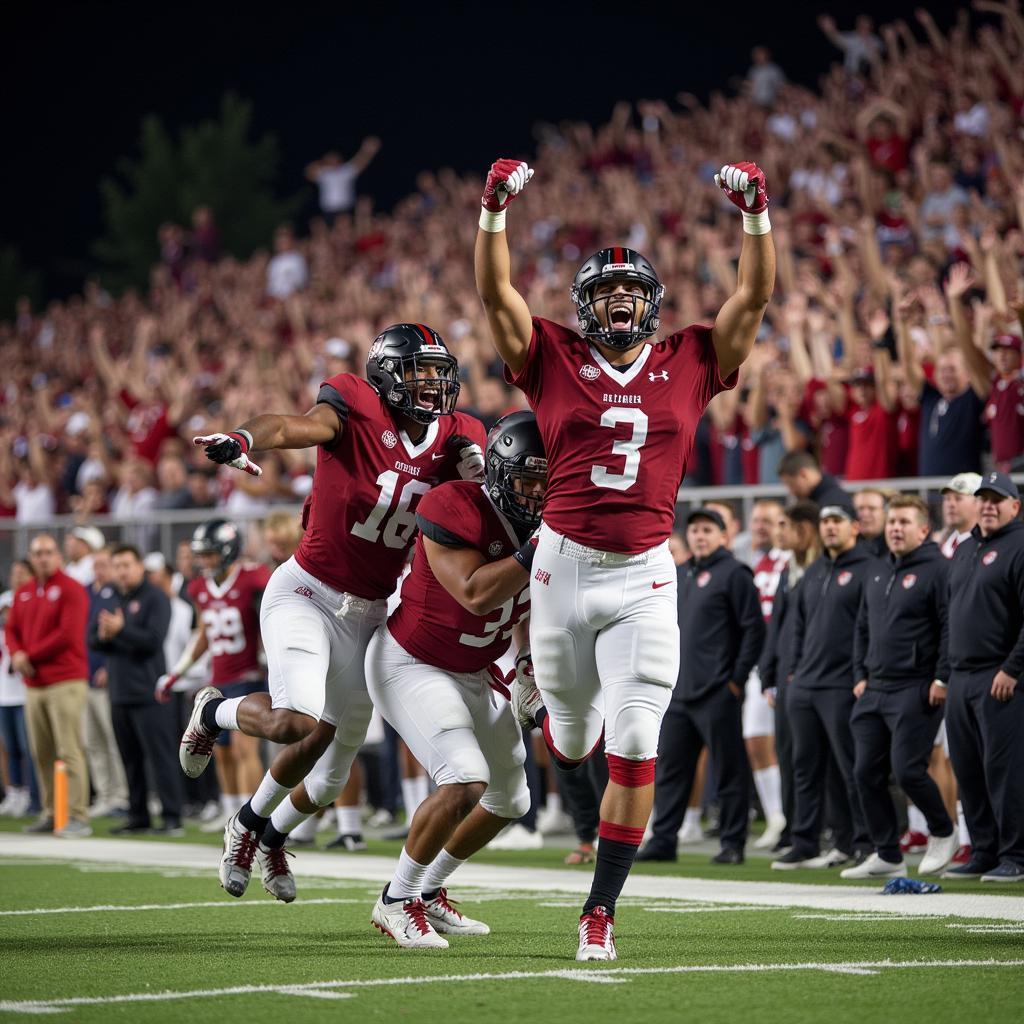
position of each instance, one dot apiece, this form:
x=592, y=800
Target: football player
x=617, y=415
x=226, y=595
x=430, y=673
x=382, y=443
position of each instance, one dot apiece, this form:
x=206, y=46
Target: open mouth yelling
x=620, y=315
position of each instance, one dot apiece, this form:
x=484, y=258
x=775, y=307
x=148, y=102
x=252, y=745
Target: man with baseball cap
x=959, y=510
x=80, y=544
x=985, y=705
x=821, y=693
x=721, y=632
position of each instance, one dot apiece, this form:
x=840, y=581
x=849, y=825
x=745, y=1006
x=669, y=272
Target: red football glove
x=505, y=180
x=164, y=686
x=499, y=682
x=745, y=186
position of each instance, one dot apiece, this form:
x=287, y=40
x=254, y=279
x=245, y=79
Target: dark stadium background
x=443, y=85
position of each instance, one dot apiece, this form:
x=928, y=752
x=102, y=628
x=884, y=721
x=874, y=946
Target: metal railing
x=162, y=530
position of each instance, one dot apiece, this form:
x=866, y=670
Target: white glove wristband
x=756, y=223
x=492, y=222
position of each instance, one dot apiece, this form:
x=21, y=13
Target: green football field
x=98, y=930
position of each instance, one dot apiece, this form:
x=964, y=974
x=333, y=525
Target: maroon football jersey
x=429, y=623
x=360, y=517
x=767, y=573
x=617, y=441
x=1004, y=413
x=230, y=615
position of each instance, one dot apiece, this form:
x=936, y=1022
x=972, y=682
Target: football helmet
x=217, y=536
x=514, y=461
x=397, y=367
x=617, y=264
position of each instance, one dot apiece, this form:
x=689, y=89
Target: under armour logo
x=652, y=376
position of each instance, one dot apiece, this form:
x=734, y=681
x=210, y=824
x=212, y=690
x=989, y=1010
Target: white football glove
x=228, y=450
x=471, y=463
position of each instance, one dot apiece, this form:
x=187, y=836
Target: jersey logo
x=52, y=593
x=589, y=372
x=909, y=580
x=661, y=375
x=844, y=578
x=990, y=558
x=303, y=591
x=388, y=439
x=495, y=547
x=542, y=576
x=434, y=455
x=658, y=586
x=704, y=579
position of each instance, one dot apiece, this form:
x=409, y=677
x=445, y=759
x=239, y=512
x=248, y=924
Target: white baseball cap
x=964, y=483
x=154, y=562
x=89, y=535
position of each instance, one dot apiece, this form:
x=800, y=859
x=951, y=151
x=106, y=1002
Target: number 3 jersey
x=230, y=613
x=617, y=439
x=360, y=517
x=429, y=623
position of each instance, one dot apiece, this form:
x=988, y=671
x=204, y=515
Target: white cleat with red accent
x=444, y=918
x=597, y=936
x=196, y=747
x=236, y=861
x=278, y=879
x=407, y=924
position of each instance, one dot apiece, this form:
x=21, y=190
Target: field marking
x=614, y=975
x=157, y=856
x=105, y=907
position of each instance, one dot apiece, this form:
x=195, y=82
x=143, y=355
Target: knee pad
x=512, y=802
x=655, y=654
x=464, y=764
x=634, y=720
x=554, y=657
x=329, y=775
x=631, y=773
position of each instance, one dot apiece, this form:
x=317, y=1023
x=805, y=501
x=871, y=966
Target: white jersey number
x=502, y=617
x=629, y=449
x=225, y=632
x=398, y=530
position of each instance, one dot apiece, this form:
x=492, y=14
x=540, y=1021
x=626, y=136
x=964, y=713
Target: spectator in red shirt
x=46, y=639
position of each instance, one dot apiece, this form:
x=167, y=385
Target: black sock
x=428, y=896
x=614, y=859
x=389, y=900
x=271, y=838
x=209, y=714
x=251, y=821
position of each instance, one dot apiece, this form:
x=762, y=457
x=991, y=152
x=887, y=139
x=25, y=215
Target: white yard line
x=372, y=869
x=605, y=975
x=106, y=907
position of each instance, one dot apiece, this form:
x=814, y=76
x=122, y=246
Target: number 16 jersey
x=617, y=439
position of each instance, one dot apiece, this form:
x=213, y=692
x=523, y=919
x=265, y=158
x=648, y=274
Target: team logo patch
x=909, y=580
x=388, y=438
x=133, y=607
x=495, y=547
x=844, y=578
x=542, y=576
x=660, y=375
x=589, y=372
x=704, y=579
x=204, y=597
x=52, y=593
x=990, y=558
x=303, y=591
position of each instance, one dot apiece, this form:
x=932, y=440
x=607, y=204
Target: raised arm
x=740, y=317
x=369, y=148
x=507, y=313
x=956, y=286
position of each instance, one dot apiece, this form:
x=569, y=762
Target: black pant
x=715, y=721
x=145, y=732
x=986, y=745
x=897, y=728
x=582, y=789
x=784, y=753
x=820, y=720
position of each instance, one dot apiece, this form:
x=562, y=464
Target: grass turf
x=259, y=942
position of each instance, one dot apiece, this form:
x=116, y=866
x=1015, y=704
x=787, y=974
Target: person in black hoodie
x=801, y=475
x=821, y=694
x=132, y=638
x=985, y=706
x=798, y=534
x=901, y=664
x=721, y=632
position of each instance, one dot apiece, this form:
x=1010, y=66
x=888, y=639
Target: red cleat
x=962, y=856
x=913, y=842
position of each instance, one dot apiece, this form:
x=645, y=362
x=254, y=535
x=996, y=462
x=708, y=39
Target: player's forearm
x=194, y=650
x=491, y=585
x=272, y=430
x=756, y=274
x=493, y=267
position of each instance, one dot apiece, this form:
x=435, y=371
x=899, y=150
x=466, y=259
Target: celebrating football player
x=380, y=447
x=430, y=673
x=226, y=596
x=617, y=415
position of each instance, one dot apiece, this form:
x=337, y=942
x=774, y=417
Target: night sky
x=452, y=87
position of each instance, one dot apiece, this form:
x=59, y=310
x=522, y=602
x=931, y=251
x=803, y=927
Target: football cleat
x=278, y=879
x=196, y=747
x=831, y=859
x=236, y=861
x=441, y=913
x=597, y=937
x=913, y=842
x=407, y=923
x=874, y=867
x=939, y=854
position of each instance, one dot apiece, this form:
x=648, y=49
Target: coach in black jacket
x=132, y=638
x=985, y=708
x=721, y=632
x=821, y=693
x=901, y=664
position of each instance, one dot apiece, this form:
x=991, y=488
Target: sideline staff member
x=985, y=706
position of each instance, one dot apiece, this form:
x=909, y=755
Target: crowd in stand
x=891, y=348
